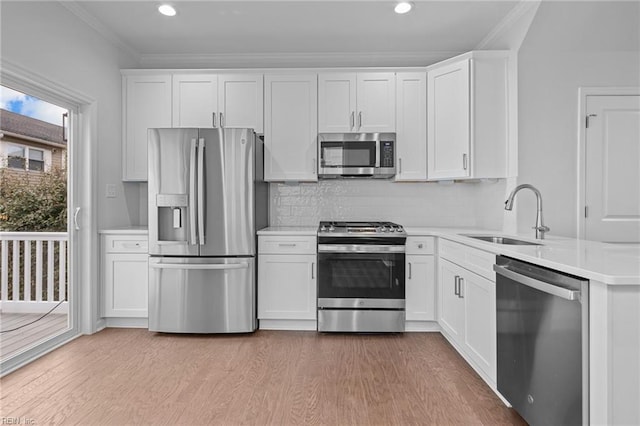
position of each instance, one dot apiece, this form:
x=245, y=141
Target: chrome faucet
x=540, y=228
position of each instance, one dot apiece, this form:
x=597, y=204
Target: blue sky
x=20, y=103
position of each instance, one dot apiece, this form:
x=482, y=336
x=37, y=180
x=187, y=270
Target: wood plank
x=126, y=376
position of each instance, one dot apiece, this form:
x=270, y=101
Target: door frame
x=82, y=245
x=583, y=93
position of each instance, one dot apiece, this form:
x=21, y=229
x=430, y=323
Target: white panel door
x=451, y=307
x=479, y=295
x=286, y=286
x=240, y=101
x=420, y=288
x=291, y=127
x=376, y=102
x=126, y=285
x=337, y=103
x=448, y=121
x=411, y=126
x=612, y=182
x=195, y=100
x=147, y=105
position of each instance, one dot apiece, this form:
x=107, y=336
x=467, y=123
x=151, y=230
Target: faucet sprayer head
x=508, y=205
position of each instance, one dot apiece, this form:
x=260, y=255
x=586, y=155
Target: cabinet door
x=451, y=305
x=411, y=126
x=147, y=104
x=291, y=127
x=448, y=121
x=125, y=285
x=479, y=295
x=337, y=103
x=195, y=100
x=376, y=102
x=420, y=288
x=286, y=286
x=240, y=101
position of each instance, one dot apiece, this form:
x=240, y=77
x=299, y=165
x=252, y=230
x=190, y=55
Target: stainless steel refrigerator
x=207, y=198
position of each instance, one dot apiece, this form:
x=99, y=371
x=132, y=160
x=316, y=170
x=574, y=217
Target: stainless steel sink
x=502, y=240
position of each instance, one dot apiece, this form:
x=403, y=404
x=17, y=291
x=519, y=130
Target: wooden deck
x=13, y=342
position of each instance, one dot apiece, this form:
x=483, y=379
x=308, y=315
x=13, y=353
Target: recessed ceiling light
x=403, y=7
x=167, y=10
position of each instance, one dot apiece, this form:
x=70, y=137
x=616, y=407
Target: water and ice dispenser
x=172, y=217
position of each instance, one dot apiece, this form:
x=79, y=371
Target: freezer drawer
x=202, y=295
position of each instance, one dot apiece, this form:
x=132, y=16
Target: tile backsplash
x=478, y=204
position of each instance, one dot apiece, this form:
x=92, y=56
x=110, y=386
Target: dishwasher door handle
x=537, y=284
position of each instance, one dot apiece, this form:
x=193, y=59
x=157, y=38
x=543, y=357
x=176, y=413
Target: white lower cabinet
x=124, y=276
x=287, y=282
x=467, y=307
x=420, y=279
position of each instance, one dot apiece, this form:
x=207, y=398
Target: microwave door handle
x=201, y=205
x=192, y=193
x=378, y=143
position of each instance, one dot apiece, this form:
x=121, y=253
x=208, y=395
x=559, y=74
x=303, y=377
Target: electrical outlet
x=111, y=190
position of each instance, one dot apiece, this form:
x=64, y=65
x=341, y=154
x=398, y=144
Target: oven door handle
x=360, y=248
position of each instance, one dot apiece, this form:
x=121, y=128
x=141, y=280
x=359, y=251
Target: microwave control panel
x=386, y=155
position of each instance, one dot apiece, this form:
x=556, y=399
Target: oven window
x=361, y=275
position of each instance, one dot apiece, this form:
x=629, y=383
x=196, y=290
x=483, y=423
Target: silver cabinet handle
x=359, y=120
x=286, y=244
x=461, y=288
x=399, y=166
x=75, y=219
x=464, y=161
x=213, y=114
x=201, y=192
x=554, y=290
x=456, y=284
x=313, y=268
x=353, y=119
x=409, y=270
x=192, y=193
x=313, y=165
x=221, y=120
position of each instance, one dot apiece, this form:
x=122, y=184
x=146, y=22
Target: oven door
x=349, y=157
x=361, y=276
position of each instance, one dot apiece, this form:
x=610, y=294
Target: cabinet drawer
x=473, y=259
x=287, y=244
x=126, y=244
x=420, y=245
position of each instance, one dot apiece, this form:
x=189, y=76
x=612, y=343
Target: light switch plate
x=111, y=190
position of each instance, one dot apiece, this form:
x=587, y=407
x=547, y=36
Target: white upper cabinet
x=411, y=126
x=218, y=100
x=195, y=100
x=291, y=127
x=240, y=101
x=356, y=102
x=468, y=103
x=147, y=104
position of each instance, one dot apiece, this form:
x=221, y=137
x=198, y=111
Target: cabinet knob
x=420, y=245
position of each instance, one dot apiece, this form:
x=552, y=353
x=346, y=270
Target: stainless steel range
x=361, y=277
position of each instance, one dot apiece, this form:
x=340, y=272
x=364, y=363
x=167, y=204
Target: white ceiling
x=354, y=31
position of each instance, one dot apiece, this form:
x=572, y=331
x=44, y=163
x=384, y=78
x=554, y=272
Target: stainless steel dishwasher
x=543, y=342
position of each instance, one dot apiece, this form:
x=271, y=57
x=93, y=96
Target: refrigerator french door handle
x=201, y=191
x=192, y=193
x=201, y=266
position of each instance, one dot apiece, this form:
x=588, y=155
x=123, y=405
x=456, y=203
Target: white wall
x=46, y=39
x=569, y=45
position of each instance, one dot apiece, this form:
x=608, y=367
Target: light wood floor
x=121, y=376
x=13, y=342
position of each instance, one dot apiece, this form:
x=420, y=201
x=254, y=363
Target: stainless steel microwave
x=356, y=155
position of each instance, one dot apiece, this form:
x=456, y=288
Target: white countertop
x=289, y=230
x=128, y=230
x=612, y=264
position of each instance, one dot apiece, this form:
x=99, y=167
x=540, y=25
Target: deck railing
x=33, y=271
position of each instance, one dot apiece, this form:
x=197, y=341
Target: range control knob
x=385, y=229
x=323, y=228
x=399, y=229
x=331, y=228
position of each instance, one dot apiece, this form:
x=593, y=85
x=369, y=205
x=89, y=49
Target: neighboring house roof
x=17, y=124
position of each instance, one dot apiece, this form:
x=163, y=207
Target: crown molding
x=84, y=15
x=294, y=60
x=505, y=24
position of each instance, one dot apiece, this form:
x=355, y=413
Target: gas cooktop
x=360, y=228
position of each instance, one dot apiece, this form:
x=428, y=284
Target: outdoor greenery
x=31, y=204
